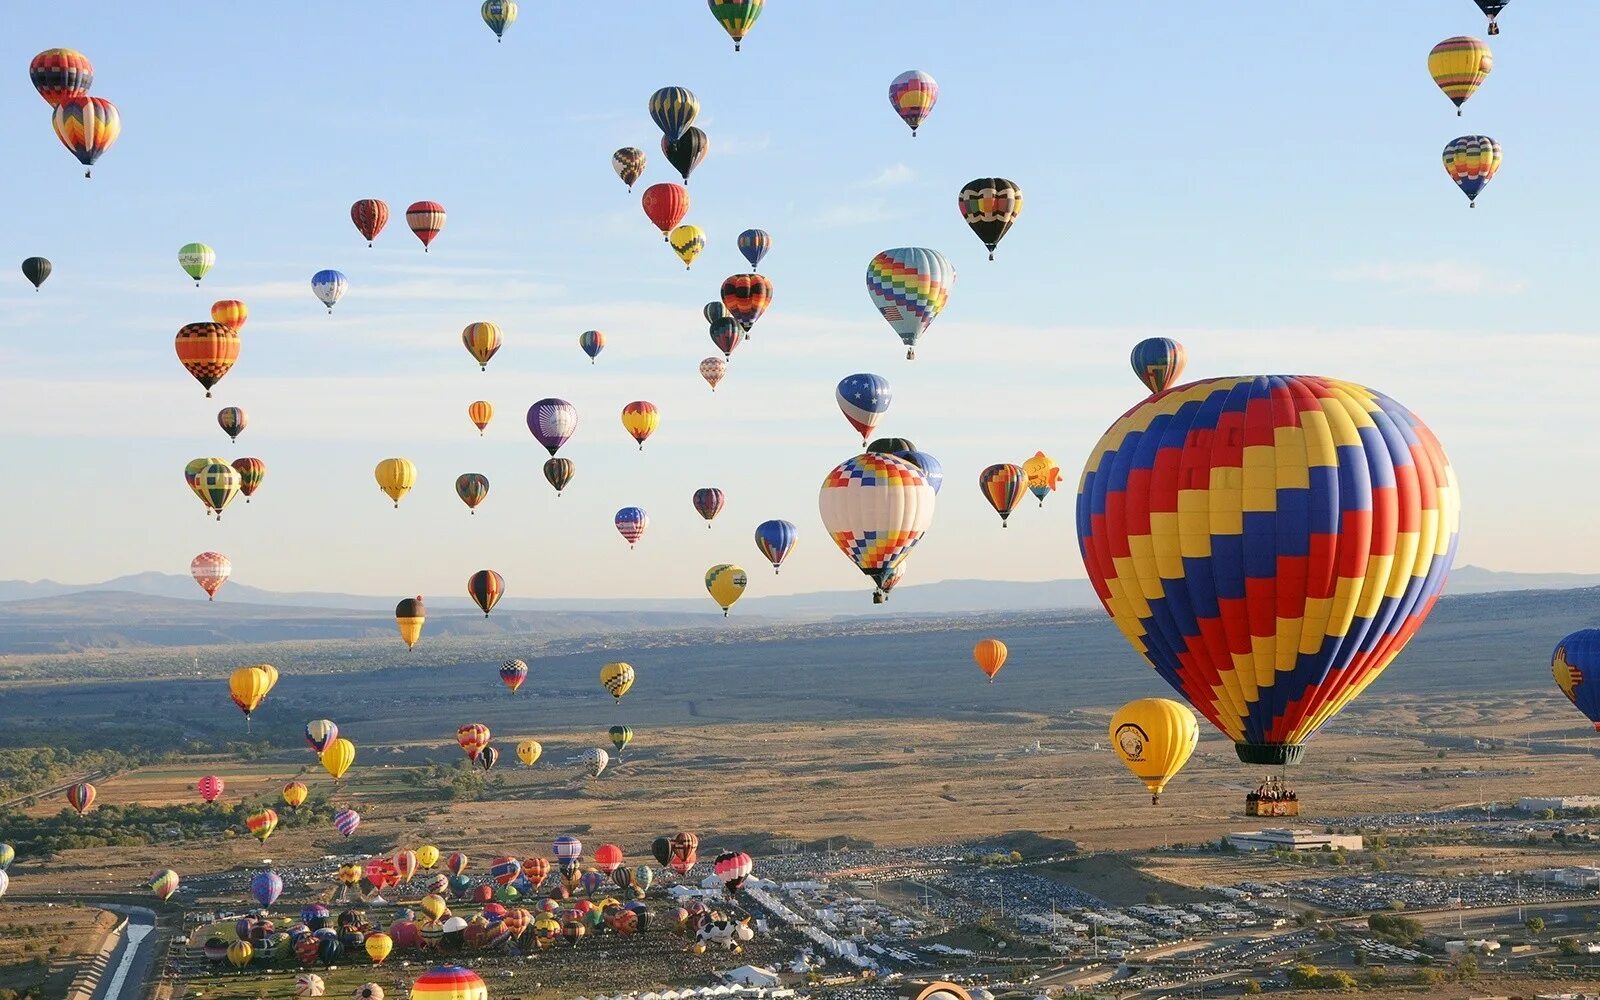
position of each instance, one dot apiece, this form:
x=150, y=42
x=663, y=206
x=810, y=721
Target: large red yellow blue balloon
x=1269, y=544
x=1576, y=667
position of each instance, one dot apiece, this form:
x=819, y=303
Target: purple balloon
x=266, y=888
x=553, y=422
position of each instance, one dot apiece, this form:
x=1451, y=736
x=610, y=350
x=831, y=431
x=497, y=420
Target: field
x=43, y=946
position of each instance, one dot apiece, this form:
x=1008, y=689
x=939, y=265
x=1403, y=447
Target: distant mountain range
x=946, y=596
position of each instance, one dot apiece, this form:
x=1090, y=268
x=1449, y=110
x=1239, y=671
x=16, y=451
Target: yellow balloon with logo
x=528, y=752
x=379, y=945
x=338, y=757
x=427, y=856
x=395, y=477
x=1154, y=738
x=725, y=583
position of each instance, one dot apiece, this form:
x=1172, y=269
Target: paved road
x=130, y=967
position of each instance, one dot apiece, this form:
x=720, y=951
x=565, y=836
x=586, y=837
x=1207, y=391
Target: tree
x=1251, y=987
x=1467, y=967
x=1568, y=946
x=1153, y=898
x=1304, y=975
x=1535, y=925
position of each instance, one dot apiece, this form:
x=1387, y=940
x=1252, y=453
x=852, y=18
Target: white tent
x=751, y=975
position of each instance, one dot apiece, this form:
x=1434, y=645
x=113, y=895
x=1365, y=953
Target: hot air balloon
x=737, y=17
x=336, y=760
x=210, y=570
x=616, y=678
x=754, y=244
x=329, y=287
x=568, y=850
x=558, y=473
x=271, y=672
x=346, y=821
x=233, y=421
x=480, y=412
x=231, y=313
x=473, y=489
x=687, y=242
x=528, y=751
x=1575, y=664
x=552, y=422
x=732, y=867
x=990, y=655
x=1491, y=10
x=207, y=351
x=665, y=205
x=673, y=109
x=261, y=824
x=426, y=219
x=1472, y=161
x=294, y=794
x=216, y=484
x=621, y=736
x=864, y=399
x=87, y=126
x=395, y=477
x=80, y=796
x=687, y=152
x=726, y=333
x=247, y=687
x=58, y=74
x=713, y=370
x=473, y=737
x=776, y=540
x=640, y=419
x=486, y=587
x=163, y=884
x=913, y=95
x=505, y=870
x=449, y=982
x=1044, y=475
x=725, y=583
x=513, y=673
x=197, y=260
x=685, y=852
x=746, y=297
x=210, y=788
x=1153, y=737
x=8, y=854
x=708, y=502
x=1003, y=486
x=309, y=984
x=378, y=945
x=876, y=508
x=409, y=616
x=427, y=856
x=1458, y=65
x=592, y=342
x=931, y=468
x=251, y=472
x=266, y=887
x=631, y=523
x=240, y=953
x=370, y=216
x=595, y=761
x=481, y=340
x=36, y=270
x=1158, y=362
x=1268, y=607
x=629, y=163
x=499, y=15
x=989, y=206
x=320, y=734
x=909, y=286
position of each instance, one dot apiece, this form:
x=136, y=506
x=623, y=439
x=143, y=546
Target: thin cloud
x=1444, y=277
x=891, y=177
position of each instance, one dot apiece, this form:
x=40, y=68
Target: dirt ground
x=43, y=947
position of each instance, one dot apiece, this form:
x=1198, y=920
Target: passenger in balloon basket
x=1272, y=797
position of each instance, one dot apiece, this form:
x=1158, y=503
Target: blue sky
x=1260, y=181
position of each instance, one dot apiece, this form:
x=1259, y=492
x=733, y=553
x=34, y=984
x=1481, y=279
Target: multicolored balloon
x=595, y=761
x=513, y=673
x=294, y=794
x=210, y=570
x=931, y=467
x=913, y=95
x=621, y=736
x=733, y=868
x=80, y=797
x=617, y=679
x=708, y=503
x=745, y=297
x=233, y=420
x=552, y=422
x=631, y=523
x=370, y=215
x=480, y=412
x=1575, y=664
x=755, y=244
x=1458, y=66
x=737, y=17
x=486, y=587
x=87, y=126
x=499, y=15
x=251, y=473
x=163, y=884
x=426, y=219
x=1044, y=475
x=673, y=109
x=320, y=734
x=592, y=342
x=1344, y=551
x=713, y=370
x=558, y=472
x=727, y=335
x=266, y=887
x=725, y=583
x=640, y=419
x=629, y=163
x=346, y=821
x=1472, y=161
x=207, y=351
x=1003, y=486
x=910, y=286
x=1158, y=362
x=473, y=489
x=876, y=508
x=261, y=824
x=197, y=260
x=775, y=540
x=59, y=74
x=863, y=399
x=989, y=206
x=449, y=982
x=482, y=341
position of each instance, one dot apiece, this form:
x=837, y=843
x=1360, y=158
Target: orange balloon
x=231, y=313
x=990, y=655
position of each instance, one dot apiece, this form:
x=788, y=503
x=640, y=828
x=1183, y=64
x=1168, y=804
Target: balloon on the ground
x=1153, y=737
x=1304, y=550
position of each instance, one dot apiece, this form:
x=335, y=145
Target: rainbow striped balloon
x=346, y=821
x=909, y=286
x=1269, y=544
x=449, y=982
